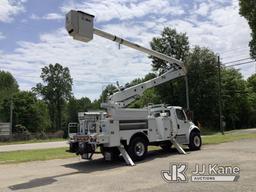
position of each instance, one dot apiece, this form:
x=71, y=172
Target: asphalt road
x=97, y=175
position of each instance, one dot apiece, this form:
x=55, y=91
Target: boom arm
x=80, y=26
x=124, y=97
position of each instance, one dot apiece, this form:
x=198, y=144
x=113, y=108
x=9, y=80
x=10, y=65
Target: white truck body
x=120, y=129
x=157, y=124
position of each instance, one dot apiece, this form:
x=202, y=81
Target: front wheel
x=195, y=141
x=138, y=149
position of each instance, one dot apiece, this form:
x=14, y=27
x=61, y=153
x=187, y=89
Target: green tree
x=41, y=116
x=234, y=98
x=248, y=10
x=203, y=87
x=175, y=45
x=57, y=89
x=77, y=105
x=8, y=87
x=251, y=81
x=28, y=111
x=150, y=96
x=170, y=43
x=109, y=90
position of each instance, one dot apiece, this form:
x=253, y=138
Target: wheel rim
x=139, y=149
x=197, y=141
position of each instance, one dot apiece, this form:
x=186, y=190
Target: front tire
x=138, y=149
x=195, y=141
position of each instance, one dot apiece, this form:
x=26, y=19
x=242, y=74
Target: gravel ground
x=97, y=175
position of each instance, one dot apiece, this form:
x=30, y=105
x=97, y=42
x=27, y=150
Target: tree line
x=50, y=105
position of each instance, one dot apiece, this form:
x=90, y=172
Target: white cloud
x=124, y=10
x=89, y=64
x=2, y=36
x=49, y=16
x=101, y=61
x=8, y=9
x=53, y=16
x=203, y=9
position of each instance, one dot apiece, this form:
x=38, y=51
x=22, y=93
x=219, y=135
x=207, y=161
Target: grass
x=34, y=155
x=60, y=153
x=219, y=138
x=32, y=141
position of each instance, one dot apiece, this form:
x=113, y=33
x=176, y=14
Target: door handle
x=178, y=126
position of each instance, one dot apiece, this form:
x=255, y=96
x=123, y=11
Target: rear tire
x=195, y=141
x=138, y=149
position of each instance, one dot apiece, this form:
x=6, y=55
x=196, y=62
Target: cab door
x=182, y=122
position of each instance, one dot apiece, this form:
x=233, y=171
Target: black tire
x=195, y=141
x=138, y=149
x=167, y=147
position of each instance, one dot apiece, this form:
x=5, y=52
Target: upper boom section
x=80, y=26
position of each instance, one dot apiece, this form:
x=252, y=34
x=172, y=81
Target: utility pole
x=11, y=116
x=187, y=92
x=220, y=99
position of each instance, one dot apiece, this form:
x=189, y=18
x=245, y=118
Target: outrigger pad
x=177, y=146
x=126, y=156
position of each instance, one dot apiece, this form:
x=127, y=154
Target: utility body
x=129, y=131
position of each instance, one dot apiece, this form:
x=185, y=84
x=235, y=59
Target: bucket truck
x=126, y=131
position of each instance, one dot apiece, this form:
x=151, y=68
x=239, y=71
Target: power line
x=235, y=55
x=235, y=49
x=237, y=60
x=249, y=62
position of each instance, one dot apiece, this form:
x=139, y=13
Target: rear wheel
x=195, y=141
x=138, y=149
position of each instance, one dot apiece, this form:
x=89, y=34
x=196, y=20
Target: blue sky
x=32, y=35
